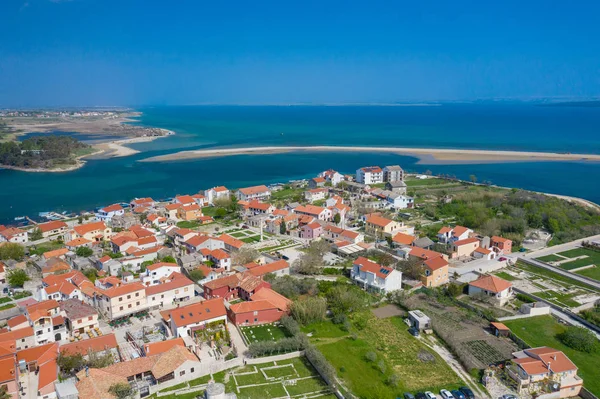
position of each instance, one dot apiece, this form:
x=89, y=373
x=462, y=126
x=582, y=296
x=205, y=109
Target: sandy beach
x=118, y=148
x=427, y=156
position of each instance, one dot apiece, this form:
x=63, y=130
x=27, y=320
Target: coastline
x=426, y=156
x=79, y=163
x=118, y=148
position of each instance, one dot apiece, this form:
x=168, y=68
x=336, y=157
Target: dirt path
x=456, y=367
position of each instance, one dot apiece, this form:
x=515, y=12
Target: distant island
x=57, y=153
x=589, y=104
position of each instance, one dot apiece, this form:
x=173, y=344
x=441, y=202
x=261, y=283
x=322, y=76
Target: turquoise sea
x=491, y=126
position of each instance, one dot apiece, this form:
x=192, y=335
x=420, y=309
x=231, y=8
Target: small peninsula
x=56, y=153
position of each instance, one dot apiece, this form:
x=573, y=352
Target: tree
x=412, y=268
x=11, y=250
x=308, y=310
x=337, y=218
x=282, y=228
x=36, y=234
x=223, y=203
x=390, y=241
x=579, y=338
x=454, y=290
x=473, y=178
x=121, y=390
x=90, y=273
x=70, y=363
x=17, y=277
x=220, y=213
x=196, y=275
x=245, y=255
x=4, y=392
x=342, y=300
x=84, y=251
x=169, y=259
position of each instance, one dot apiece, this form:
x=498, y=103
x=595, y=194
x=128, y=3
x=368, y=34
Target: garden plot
x=292, y=378
x=484, y=352
x=583, y=261
x=264, y=332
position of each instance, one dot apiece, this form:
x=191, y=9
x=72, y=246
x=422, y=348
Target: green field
x=399, y=351
x=192, y=224
x=543, y=331
x=4, y=300
x=550, y=258
x=264, y=332
x=506, y=276
x=287, y=194
x=593, y=272
x=574, y=253
x=7, y=306
x=427, y=182
x=250, y=240
x=559, y=298
x=577, y=263
x=45, y=247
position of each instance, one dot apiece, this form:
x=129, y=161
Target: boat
x=20, y=218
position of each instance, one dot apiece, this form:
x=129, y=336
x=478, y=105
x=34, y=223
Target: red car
x=501, y=259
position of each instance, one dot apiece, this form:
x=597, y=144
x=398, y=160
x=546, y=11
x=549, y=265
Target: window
x=185, y=289
x=91, y=318
x=137, y=303
x=23, y=340
x=162, y=296
x=176, y=292
x=256, y=319
x=192, y=370
x=182, y=372
x=137, y=294
x=121, y=308
x=255, y=313
x=129, y=306
x=154, y=298
x=79, y=321
x=128, y=296
x=121, y=299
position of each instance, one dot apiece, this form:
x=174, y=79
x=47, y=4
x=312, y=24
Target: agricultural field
x=483, y=351
x=396, y=352
x=264, y=332
x=292, y=378
x=544, y=331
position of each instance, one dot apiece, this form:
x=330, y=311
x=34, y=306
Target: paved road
x=559, y=248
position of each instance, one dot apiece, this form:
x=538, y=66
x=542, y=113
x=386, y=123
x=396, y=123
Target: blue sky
x=137, y=52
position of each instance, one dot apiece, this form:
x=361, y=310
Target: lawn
x=192, y=224
x=390, y=340
x=573, y=253
x=287, y=194
x=506, y=276
x=264, y=332
x=577, y=263
x=324, y=329
x=4, y=300
x=210, y=211
x=550, y=258
x=559, y=298
x=542, y=331
x=45, y=247
x=7, y=306
x=593, y=272
x=426, y=182
x=239, y=234
x=250, y=240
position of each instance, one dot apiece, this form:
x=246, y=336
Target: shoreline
x=426, y=156
x=79, y=163
x=118, y=148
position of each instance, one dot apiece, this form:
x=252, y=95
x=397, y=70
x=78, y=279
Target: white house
x=498, y=289
x=215, y=193
x=253, y=193
x=161, y=270
x=369, y=175
x=105, y=214
x=374, y=277
x=451, y=234
x=332, y=176
x=177, y=288
x=316, y=194
x=314, y=211
x=220, y=258
x=13, y=234
x=183, y=321
x=399, y=201
x=199, y=242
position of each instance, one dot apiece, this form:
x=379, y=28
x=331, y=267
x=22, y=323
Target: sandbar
x=426, y=156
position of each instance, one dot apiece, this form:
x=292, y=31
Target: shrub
x=579, y=338
x=393, y=380
x=381, y=366
x=17, y=277
x=289, y=344
x=371, y=356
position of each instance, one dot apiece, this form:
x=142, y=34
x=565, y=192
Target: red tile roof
x=219, y=254
x=378, y=221
x=372, y=267
x=197, y=312
x=53, y=225
x=254, y=190
x=254, y=306
x=404, y=239
x=156, y=348
x=178, y=281
x=435, y=263
x=466, y=241
x=95, y=344
x=424, y=253
x=112, y=208
x=231, y=241
x=267, y=294
x=457, y=231
x=309, y=209
x=122, y=290
x=269, y=268
x=491, y=283
x=158, y=265
x=88, y=228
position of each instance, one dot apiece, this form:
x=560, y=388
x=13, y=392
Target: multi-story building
x=369, y=175
x=183, y=321
x=13, y=234
x=95, y=232
x=80, y=316
x=121, y=301
x=317, y=212
x=177, y=288
x=253, y=193
x=374, y=277
x=52, y=228
x=393, y=173
x=108, y=212
x=504, y=245
x=380, y=227
x=217, y=193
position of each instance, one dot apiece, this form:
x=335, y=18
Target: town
x=378, y=284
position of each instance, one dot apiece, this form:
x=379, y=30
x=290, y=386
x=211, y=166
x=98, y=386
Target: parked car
x=508, y=396
x=420, y=395
x=467, y=392
x=501, y=259
x=458, y=394
x=430, y=395
x=408, y=395
x=5, y=290
x=446, y=394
